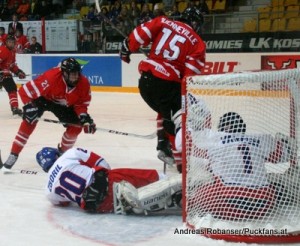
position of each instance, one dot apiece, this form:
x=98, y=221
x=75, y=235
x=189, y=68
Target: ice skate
x=11, y=160
x=165, y=153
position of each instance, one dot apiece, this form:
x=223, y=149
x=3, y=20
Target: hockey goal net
x=241, y=177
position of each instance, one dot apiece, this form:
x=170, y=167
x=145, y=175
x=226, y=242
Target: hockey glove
x=87, y=123
x=21, y=74
x=30, y=113
x=125, y=52
x=96, y=192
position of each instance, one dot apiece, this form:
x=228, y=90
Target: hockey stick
x=150, y=136
x=107, y=20
x=22, y=171
x=15, y=76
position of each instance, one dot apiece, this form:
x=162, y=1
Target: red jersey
x=21, y=44
x=8, y=60
x=52, y=86
x=176, y=51
x=3, y=39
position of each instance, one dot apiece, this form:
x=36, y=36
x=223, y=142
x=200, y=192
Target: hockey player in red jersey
x=7, y=67
x=3, y=36
x=176, y=51
x=85, y=178
x=65, y=92
x=22, y=43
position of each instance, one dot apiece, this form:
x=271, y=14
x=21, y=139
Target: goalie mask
x=193, y=17
x=232, y=122
x=71, y=70
x=46, y=157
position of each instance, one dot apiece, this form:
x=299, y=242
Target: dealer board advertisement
x=100, y=70
x=275, y=62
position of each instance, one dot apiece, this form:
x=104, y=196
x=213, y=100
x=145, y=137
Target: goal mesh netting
x=241, y=176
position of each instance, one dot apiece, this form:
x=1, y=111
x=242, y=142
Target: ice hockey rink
x=27, y=218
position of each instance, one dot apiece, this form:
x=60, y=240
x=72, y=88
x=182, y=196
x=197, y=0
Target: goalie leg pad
x=158, y=195
x=152, y=197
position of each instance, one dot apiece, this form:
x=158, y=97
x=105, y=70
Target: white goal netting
x=241, y=172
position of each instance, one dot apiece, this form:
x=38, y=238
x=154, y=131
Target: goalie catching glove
x=87, y=123
x=96, y=192
x=125, y=52
x=30, y=113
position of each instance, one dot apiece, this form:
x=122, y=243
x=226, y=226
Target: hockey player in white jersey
x=85, y=178
x=235, y=162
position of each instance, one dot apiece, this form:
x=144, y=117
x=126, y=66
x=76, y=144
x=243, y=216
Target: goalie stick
x=150, y=136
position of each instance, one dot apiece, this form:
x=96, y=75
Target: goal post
x=241, y=177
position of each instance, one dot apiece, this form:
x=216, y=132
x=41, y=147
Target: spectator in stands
x=3, y=36
x=79, y=4
x=88, y=45
x=4, y=12
x=32, y=13
x=43, y=9
x=58, y=7
x=135, y=12
x=115, y=11
x=175, y=12
x=23, y=9
x=125, y=20
x=158, y=10
x=167, y=4
x=146, y=14
x=14, y=25
x=91, y=15
x=105, y=27
x=35, y=47
x=202, y=6
x=11, y=3
x=51, y=10
x=104, y=12
x=14, y=7
x=206, y=24
x=22, y=43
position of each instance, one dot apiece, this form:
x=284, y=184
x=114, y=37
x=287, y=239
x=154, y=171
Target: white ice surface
x=27, y=218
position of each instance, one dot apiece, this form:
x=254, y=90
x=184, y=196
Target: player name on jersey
x=52, y=176
x=180, y=30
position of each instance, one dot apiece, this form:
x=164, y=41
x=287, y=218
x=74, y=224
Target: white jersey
x=71, y=174
x=238, y=159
